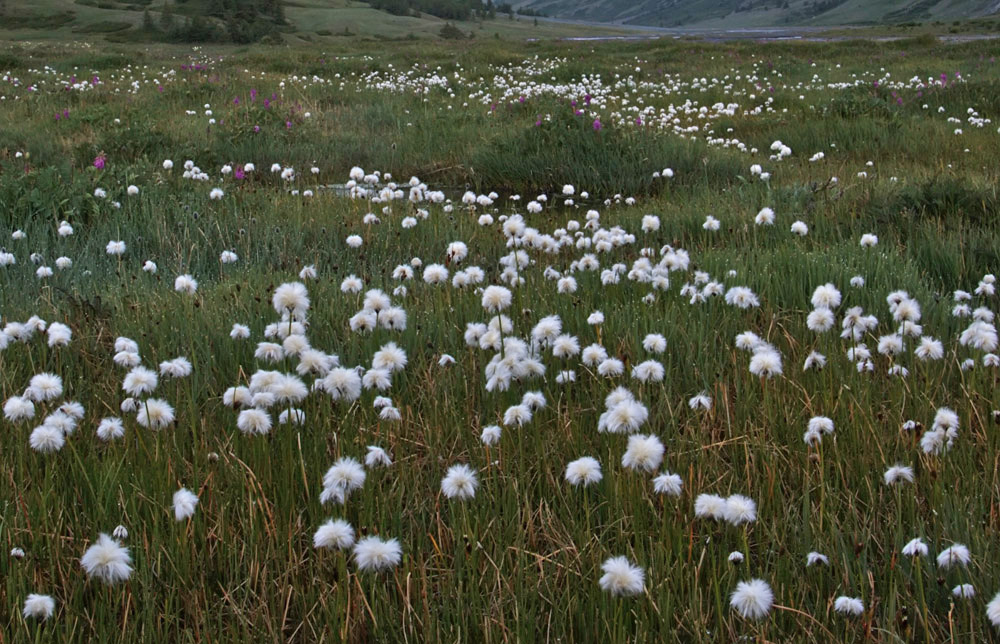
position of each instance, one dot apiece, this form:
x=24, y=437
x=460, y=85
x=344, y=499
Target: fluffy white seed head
x=374, y=554
x=752, y=599
x=583, y=471
x=38, y=607
x=849, y=606
x=460, y=482
x=185, y=502
x=621, y=577
x=107, y=560
x=643, y=453
x=335, y=533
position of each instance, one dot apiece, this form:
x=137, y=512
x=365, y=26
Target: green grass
x=521, y=561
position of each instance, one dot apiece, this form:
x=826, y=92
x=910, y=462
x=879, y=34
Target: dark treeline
x=240, y=21
x=448, y=9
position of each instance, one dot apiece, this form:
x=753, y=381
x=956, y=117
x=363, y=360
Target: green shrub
x=451, y=32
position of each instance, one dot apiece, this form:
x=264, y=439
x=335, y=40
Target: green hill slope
x=304, y=21
x=762, y=13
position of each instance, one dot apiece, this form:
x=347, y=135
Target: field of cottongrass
x=547, y=342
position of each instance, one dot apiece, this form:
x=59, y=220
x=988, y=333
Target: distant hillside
x=761, y=13
x=274, y=21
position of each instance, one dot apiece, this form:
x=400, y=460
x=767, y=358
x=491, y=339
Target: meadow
x=500, y=342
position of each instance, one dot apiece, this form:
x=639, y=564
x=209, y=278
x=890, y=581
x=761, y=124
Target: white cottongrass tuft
x=110, y=429
x=44, y=387
x=390, y=358
x=176, y=368
x=710, y=506
x=376, y=456
x=46, y=439
x=335, y=533
x=964, y=591
x=518, y=415
x=38, y=607
x=621, y=577
x=668, y=484
x=343, y=477
x=185, y=502
x=740, y=509
x=643, y=453
x=654, y=343
x=291, y=298
x=584, y=471
x=765, y=217
x=107, y=560
x=956, y=554
x=915, y=548
x=139, y=381
x=374, y=554
x=993, y=611
x=898, y=474
x=18, y=408
x=496, y=298
x=183, y=284
x=765, y=363
x=460, y=482
x=624, y=416
x=752, y=599
x=254, y=421
x=700, y=401
x=814, y=558
x=490, y=435
x=342, y=384
x=826, y=296
x=850, y=606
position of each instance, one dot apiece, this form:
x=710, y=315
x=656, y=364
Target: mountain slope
x=761, y=13
x=304, y=21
